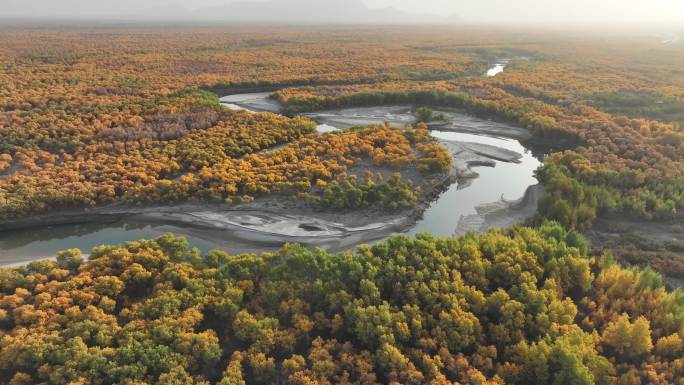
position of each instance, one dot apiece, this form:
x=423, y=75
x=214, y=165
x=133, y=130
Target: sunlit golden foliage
x=94, y=118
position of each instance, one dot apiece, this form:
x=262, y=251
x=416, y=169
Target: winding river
x=499, y=188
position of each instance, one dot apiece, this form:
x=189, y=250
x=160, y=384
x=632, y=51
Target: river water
x=20, y=246
x=497, y=68
x=508, y=180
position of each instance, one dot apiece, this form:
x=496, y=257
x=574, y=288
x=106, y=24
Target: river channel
x=500, y=190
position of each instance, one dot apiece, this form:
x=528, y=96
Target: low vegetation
x=645, y=104
x=427, y=115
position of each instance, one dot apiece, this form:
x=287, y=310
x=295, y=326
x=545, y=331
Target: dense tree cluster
x=185, y=146
x=521, y=307
x=234, y=160
x=388, y=195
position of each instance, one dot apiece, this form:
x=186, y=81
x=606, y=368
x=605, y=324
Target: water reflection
x=18, y=245
x=497, y=68
x=504, y=180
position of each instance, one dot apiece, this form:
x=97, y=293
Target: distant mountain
x=89, y=9
x=286, y=11
x=316, y=11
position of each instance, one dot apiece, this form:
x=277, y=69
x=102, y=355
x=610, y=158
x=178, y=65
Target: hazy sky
x=517, y=11
x=550, y=10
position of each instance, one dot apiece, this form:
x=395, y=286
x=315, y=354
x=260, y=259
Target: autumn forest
x=585, y=290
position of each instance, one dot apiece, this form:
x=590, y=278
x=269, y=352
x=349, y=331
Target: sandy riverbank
x=263, y=225
x=456, y=120
x=267, y=223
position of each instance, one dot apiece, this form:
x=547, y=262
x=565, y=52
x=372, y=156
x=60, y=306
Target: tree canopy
x=523, y=306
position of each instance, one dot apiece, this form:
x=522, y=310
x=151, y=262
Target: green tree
x=627, y=339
